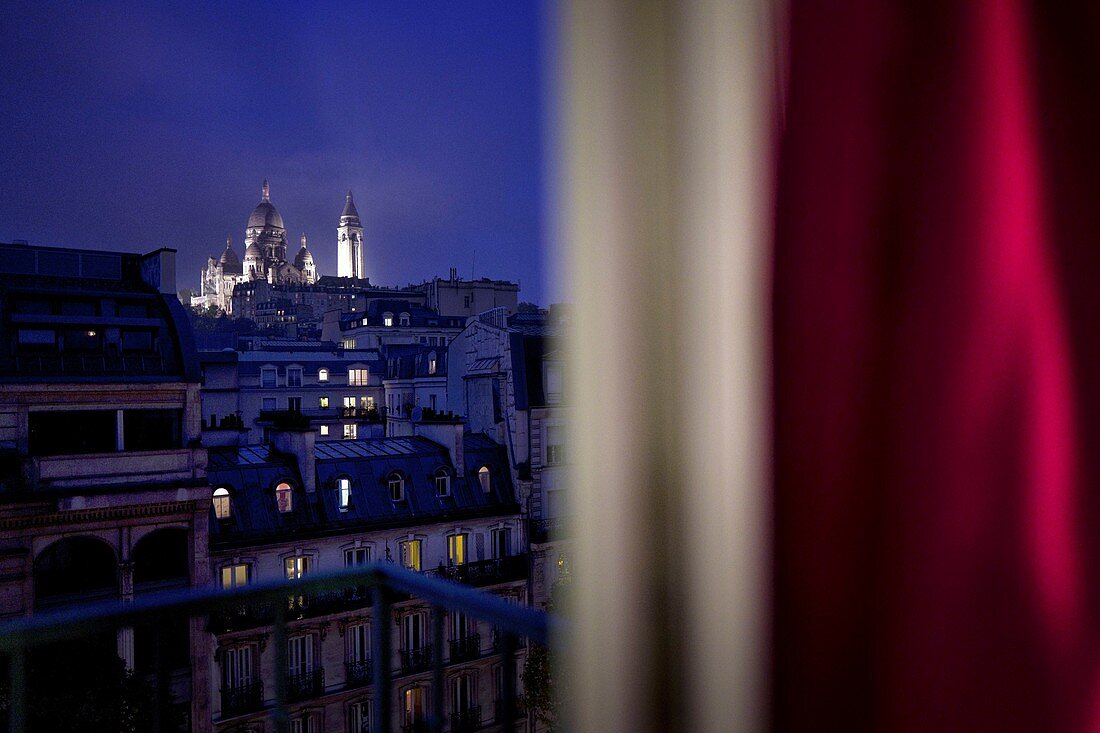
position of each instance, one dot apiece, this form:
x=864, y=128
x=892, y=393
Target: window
x=396, y=483
x=464, y=695
x=297, y=566
x=432, y=398
x=284, y=498
x=294, y=377
x=466, y=301
x=555, y=449
x=552, y=374
x=349, y=431
x=360, y=715
x=349, y=406
x=324, y=430
x=343, y=493
x=348, y=343
x=366, y=403
x=403, y=319
x=461, y=625
x=484, y=477
x=294, y=404
x=502, y=543
x=433, y=362
x=267, y=403
x=358, y=377
x=322, y=375
x=299, y=655
x=303, y=724
x=222, y=509
x=414, y=706
x=387, y=319
x=237, y=668
x=413, y=632
x=356, y=556
x=322, y=402
x=145, y=430
x=410, y=554
x=442, y=482
x=235, y=576
x=456, y=549
x=267, y=377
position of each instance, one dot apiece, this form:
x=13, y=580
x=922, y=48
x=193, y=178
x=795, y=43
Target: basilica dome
x=229, y=261
x=265, y=215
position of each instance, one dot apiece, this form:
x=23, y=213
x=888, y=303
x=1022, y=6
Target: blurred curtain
x=937, y=368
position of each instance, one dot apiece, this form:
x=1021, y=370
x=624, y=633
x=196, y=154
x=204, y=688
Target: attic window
x=283, y=497
x=396, y=483
x=442, y=482
x=485, y=479
x=222, y=507
x=387, y=319
x=322, y=375
x=404, y=320
x=343, y=492
x=432, y=363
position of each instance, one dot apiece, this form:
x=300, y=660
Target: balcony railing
x=304, y=685
x=420, y=726
x=358, y=673
x=416, y=660
x=547, y=530
x=18, y=637
x=485, y=572
x=242, y=699
x=466, y=648
x=466, y=721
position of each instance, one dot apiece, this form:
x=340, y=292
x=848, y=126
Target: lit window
x=348, y=343
x=387, y=319
x=349, y=407
x=358, y=377
x=235, y=576
x=297, y=566
x=484, y=477
x=442, y=483
x=349, y=432
x=222, y=509
x=343, y=492
x=360, y=714
x=324, y=430
x=322, y=375
x=356, y=556
x=294, y=377
x=432, y=363
x=414, y=706
x=283, y=497
x=555, y=449
x=410, y=554
x=456, y=549
x=397, y=487
x=267, y=377
x=322, y=402
x=366, y=403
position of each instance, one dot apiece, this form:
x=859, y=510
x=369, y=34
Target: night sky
x=134, y=126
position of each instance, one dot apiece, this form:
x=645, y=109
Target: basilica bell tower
x=349, y=243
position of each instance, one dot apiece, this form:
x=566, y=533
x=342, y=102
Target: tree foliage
x=546, y=687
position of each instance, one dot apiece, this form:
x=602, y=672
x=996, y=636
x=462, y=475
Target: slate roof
x=252, y=472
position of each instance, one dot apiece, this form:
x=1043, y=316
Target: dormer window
x=284, y=497
x=396, y=483
x=442, y=482
x=484, y=477
x=387, y=319
x=433, y=363
x=405, y=318
x=343, y=493
x=322, y=375
x=222, y=507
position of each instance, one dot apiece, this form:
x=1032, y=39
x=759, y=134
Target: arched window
x=322, y=375
x=284, y=497
x=387, y=319
x=222, y=508
x=343, y=493
x=484, y=477
x=404, y=319
x=75, y=565
x=442, y=482
x=396, y=483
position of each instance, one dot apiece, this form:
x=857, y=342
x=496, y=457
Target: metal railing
x=387, y=581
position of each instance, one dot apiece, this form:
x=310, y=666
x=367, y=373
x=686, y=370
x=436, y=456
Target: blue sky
x=133, y=126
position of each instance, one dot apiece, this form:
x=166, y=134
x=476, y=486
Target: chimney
x=300, y=444
x=449, y=435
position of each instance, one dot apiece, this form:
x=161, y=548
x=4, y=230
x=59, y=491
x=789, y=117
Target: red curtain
x=937, y=369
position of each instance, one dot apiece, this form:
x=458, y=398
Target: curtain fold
x=935, y=380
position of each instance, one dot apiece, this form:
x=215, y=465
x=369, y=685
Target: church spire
x=267, y=191
x=303, y=240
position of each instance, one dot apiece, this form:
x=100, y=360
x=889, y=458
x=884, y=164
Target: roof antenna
x=473, y=261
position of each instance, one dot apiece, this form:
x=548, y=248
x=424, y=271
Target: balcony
x=540, y=531
x=485, y=572
x=466, y=721
x=358, y=673
x=466, y=648
x=249, y=616
x=416, y=660
x=242, y=699
x=305, y=685
x=498, y=641
x=112, y=469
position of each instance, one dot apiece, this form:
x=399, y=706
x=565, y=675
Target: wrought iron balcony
x=466, y=648
x=416, y=660
x=305, y=685
x=498, y=641
x=20, y=636
x=358, y=673
x=485, y=572
x=242, y=699
x=466, y=721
